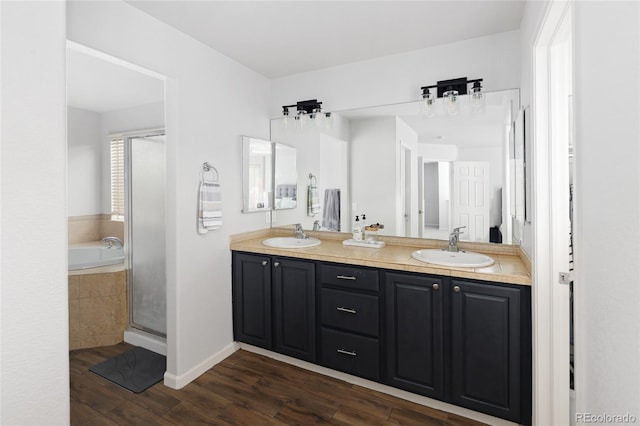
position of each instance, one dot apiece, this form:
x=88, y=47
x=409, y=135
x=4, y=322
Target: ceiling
x=280, y=38
x=98, y=85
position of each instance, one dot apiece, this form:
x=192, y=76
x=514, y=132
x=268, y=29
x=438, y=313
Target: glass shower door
x=146, y=234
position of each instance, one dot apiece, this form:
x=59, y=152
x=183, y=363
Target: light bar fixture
x=450, y=91
x=307, y=113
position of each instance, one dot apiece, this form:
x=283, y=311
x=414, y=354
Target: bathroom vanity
x=459, y=335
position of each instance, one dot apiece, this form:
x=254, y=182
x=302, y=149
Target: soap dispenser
x=357, y=230
x=362, y=228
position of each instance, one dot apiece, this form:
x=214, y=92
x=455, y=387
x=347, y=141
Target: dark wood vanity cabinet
x=491, y=349
x=415, y=333
x=251, y=288
x=350, y=320
x=461, y=341
x=464, y=342
x=294, y=308
x=274, y=304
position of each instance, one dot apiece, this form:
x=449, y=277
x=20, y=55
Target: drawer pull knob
x=346, y=277
x=347, y=310
x=435, y=286
x=276, y=264
x=265, y=263
x=343, y=352
x=456, y=289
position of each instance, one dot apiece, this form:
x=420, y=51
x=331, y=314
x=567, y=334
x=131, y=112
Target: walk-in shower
x=145, y=231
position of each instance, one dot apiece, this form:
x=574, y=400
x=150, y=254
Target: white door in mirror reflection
x=471, y=183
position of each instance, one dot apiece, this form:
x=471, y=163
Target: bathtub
x=93, y=256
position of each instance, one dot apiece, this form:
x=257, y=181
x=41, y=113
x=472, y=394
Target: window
x=117, y=179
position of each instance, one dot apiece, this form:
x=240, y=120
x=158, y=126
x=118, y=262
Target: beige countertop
x=511, y=264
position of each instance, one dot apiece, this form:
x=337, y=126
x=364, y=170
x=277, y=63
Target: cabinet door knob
x=347, y=310
x=265, y=263
x=343, y=352
x=276, y=264
x=435, y=286
x=456, y=289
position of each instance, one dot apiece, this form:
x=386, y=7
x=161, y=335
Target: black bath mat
x=135, y=370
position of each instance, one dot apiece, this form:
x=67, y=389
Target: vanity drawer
x=350, y=353
x=349, y=277
x=350, y=311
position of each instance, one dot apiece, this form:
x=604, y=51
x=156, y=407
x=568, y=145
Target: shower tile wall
x=97, y=309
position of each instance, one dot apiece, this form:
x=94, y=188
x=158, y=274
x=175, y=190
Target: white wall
x=84, y=162
x=313, y=158
x=531, y=20
x=34, y=372
x=143, y=117
x=408, y=138
x=374, y=180
x=398, y=78
x=438, y=152
x=492, y=155
x=210, y=102
x=444, y=183
x=334, y=170
x=608, y=206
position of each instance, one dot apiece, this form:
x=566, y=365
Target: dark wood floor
x=244, y=389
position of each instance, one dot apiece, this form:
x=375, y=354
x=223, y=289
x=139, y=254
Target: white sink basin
x=448, y=258
x=290, y=242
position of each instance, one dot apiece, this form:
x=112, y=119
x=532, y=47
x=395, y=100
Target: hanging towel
x=209, y=207
x=313, y=201
x=331, y=210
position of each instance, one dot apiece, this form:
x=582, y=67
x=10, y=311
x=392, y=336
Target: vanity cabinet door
x=414, y=322
x=486, y=348
x=294, y=303
x=252, y=299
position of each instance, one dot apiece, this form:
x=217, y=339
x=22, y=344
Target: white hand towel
x=313, y=201
x=209, y=207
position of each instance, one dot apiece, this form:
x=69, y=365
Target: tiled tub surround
x=511, y=264
x=98, y=313
x=84, y=229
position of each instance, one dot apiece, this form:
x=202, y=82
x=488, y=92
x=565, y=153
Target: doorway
x=553, y=222
x=127, y=183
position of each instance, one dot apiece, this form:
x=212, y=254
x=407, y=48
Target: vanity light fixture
x=476, y=97
x=307, y=112
x=450, y=91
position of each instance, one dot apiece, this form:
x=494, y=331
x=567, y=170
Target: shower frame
x=128, y=137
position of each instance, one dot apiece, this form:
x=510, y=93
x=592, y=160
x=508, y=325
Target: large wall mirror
x=419, y=176
x=269, y=175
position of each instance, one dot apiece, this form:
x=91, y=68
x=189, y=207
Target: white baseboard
x=146, y=340
x=422, y=400
x=178, y=382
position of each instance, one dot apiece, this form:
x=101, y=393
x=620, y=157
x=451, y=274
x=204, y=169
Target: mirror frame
x=246, y=155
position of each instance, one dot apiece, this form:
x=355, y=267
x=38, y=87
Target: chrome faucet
x=299, y=232
x=454, y=237
x=110, y=241
x=316, y=225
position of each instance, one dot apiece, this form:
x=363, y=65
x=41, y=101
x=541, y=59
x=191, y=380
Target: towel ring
x=313, y=180
x=206, y=168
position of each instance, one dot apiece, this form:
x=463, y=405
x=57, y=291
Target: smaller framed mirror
x=285, y=178
x=257, y=174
